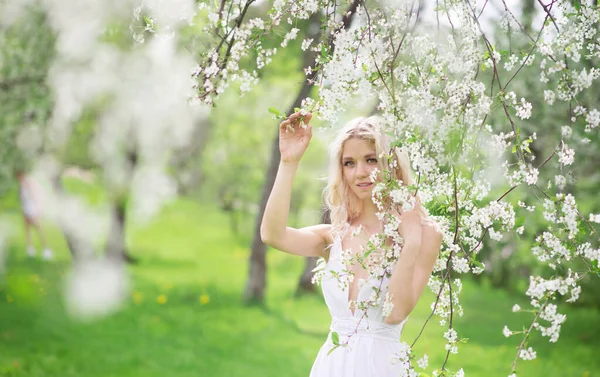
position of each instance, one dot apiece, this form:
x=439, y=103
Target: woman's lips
x=365, y=185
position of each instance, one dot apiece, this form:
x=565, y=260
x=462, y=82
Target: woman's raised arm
x=309, y=241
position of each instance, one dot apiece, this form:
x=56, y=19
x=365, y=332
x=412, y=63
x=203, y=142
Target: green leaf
x=335, y=338
x=331, y=350
x=274, y=111
x=373, y=76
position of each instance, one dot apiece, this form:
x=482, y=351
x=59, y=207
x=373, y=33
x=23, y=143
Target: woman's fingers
x=298, y=114
x=295, y=116
x=307, y=118
x=284, y=125
x=295, y=120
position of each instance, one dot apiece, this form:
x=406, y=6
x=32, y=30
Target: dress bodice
x=336, y=297
x=369, y=346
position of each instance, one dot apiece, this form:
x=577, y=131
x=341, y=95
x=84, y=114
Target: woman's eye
x=372, y=160
x=348, y=163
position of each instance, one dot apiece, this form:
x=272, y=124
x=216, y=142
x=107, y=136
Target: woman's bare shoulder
x=321, y=230
x=325, y=232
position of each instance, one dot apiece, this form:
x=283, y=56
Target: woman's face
x=359, y=159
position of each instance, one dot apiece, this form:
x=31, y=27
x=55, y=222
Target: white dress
x=27, y=204
x=372, y=343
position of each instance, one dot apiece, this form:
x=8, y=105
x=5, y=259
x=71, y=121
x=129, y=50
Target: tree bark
x=116, y=246
x=185, y=159
x=257, y=281
x=257, y=278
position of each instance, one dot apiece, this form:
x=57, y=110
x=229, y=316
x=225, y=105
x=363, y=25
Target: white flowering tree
x=129, y=92
x=449, y=97
x=447, y=86
x=444, y=81
x=25, y=55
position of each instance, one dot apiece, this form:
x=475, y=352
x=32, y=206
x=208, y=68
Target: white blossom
x=524, y=110
x=566, y=155
x=549, y=97
x=306, y=44
x=593, y=119
x=527, y=354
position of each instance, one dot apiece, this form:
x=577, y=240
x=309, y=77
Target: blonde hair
x=339, y=199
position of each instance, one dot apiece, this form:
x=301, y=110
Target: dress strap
x=344, y=230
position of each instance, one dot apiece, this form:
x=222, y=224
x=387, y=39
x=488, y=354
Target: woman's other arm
x=414, y=266
x=431, y=242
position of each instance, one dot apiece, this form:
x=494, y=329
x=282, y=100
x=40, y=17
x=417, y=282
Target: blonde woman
x=371, y=338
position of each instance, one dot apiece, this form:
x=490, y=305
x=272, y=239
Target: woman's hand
x=294, y=135
x=410, y=228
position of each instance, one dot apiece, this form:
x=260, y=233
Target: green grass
x=188, y=253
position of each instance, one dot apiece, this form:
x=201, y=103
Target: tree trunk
x=116, y=247
x=257, y=277
x=185, y=160
x=257, y=281
x=528, y=12
x=305, y=284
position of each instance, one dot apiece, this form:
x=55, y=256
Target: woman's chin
x=364, y=195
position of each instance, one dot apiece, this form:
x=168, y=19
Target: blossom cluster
x=234, y=44
x=429, y=94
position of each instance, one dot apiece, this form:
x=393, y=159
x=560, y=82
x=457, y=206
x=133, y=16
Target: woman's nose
x=363, y=170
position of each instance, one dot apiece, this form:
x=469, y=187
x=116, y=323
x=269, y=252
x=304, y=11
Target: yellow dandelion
x=162, y=299
x=138, y=297
x=204, y=299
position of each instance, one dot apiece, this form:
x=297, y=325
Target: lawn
x=185, y=317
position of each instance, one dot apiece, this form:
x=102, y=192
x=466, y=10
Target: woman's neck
x=368, y=216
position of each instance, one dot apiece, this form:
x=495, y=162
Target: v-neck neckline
x=348, y=299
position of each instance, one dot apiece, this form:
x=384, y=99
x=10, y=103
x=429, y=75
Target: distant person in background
x=31, y=207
